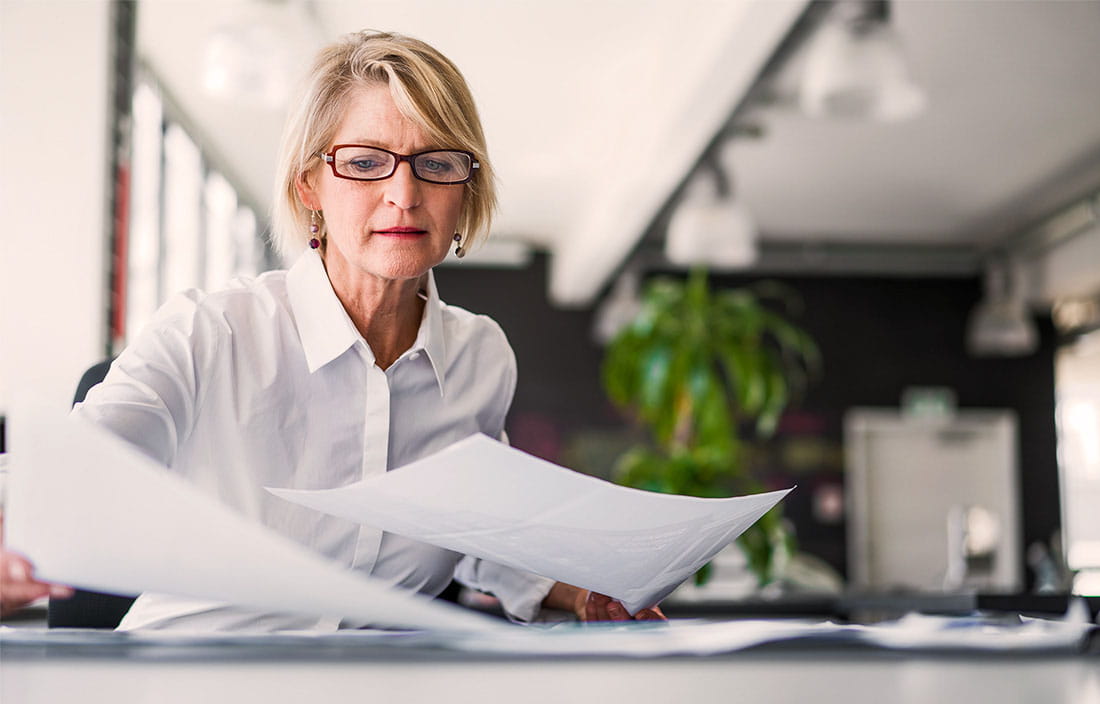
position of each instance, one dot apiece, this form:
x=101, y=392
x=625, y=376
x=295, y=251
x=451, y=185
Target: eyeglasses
x=359, y=162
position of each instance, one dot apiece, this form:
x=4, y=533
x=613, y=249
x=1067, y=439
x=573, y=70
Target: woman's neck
x=386, y=312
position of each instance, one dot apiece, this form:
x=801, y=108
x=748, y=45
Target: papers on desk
x=480, y=497
x=93, y=512
x=912, y=634
x=982, y=633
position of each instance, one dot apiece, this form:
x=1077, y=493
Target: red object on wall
x=119, y=256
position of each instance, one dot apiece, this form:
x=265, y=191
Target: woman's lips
x=401, y=232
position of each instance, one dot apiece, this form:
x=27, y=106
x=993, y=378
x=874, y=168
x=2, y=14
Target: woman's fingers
x=617, y=612
x=592, y=607
x=18, y=587
x=600, y=607
x=597, y=607
x=653, y=613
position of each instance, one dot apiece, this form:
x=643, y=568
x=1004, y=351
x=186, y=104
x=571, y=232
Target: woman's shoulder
x=241, y=299
x=464, y=326
x=247, y=307
x=477, y=348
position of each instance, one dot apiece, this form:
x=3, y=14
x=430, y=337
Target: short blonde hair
x=429, y=91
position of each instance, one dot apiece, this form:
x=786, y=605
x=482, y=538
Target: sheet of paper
x=914, y=633
x=93, y=512
x=984, y=633
x=629, y=639
x=483, y=498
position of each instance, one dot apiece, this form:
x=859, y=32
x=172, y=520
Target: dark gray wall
x=877, y=336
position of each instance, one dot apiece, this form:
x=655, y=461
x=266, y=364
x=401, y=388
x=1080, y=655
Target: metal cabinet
x=933, y=503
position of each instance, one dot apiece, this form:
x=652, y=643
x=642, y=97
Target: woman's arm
x=152, y=394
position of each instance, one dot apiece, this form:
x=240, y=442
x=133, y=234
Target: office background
x=879, y=334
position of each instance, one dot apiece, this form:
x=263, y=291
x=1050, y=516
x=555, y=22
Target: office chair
x=87, y=609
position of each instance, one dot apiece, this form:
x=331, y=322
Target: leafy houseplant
x=693, y=367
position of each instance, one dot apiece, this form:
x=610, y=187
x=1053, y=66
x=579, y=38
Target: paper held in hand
x=93, y=512
x=482, y=498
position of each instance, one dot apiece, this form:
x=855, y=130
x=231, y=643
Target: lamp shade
x=248, y=64
x=713, y=231
x=1000, y=324
x=1001, y=329
x=620, y=307
x=859, y=70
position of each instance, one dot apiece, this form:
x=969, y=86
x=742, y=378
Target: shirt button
x=414, y=355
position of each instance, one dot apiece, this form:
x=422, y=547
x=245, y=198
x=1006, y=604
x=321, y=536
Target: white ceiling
x=1014, y=108
x=577, y=95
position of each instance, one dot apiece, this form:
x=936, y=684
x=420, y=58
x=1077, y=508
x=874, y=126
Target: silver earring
x=460, y=252
x=314, y=230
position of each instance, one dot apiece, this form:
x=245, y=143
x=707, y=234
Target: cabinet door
x=1077, y=387
x=933, y=504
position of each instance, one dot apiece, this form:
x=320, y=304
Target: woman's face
x=396, y=228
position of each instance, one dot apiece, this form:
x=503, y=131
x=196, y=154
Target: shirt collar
x=324, y=326
x=327, y=331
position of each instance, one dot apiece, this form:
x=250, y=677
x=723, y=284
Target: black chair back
x=86, y=609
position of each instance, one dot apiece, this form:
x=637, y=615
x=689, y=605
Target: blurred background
x=921, y=179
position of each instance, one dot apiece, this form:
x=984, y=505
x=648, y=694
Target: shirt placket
x=376, y=441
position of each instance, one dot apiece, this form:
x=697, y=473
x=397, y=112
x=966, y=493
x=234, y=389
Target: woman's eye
x=436, y=166
x=363, y=164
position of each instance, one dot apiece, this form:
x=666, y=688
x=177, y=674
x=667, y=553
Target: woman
x=347, y=364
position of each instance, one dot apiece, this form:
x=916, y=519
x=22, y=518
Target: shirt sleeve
x=520, y=593
x=152, y=393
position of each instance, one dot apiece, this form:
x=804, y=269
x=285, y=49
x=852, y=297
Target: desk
x=342, y=673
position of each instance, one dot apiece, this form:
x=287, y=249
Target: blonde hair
x=429, y=91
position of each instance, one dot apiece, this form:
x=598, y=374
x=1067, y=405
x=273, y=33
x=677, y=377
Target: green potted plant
x=695, y=367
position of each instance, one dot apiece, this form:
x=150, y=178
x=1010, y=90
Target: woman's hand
x=18, y=587
x=592, y=606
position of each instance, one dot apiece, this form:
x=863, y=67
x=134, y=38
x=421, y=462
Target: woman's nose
x=403, y=188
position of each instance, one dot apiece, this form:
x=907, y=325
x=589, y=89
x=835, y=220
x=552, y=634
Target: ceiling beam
x=606, y=235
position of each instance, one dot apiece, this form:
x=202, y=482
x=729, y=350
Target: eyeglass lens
x=369, y=163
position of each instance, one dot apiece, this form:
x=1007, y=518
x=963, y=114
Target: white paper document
x=93, y=512
x=914, y=633
x=483, y=498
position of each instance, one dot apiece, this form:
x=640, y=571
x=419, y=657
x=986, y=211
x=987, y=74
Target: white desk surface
x=787, y=674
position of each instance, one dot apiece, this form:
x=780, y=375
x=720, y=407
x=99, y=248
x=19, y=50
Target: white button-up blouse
x=269, y=383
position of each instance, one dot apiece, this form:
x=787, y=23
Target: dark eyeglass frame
x=329, y=158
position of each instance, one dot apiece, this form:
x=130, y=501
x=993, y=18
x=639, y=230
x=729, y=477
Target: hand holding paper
x=485, y=499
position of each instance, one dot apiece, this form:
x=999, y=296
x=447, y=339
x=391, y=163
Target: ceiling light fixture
x=247, y=63
x=619, y=308
x=711, y=226
x=1001, y=325
x=856, y=67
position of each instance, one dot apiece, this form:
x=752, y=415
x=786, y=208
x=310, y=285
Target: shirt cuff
x=520, y=593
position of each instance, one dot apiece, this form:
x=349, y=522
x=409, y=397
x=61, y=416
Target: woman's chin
x=401, y=267
x=391, y=260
